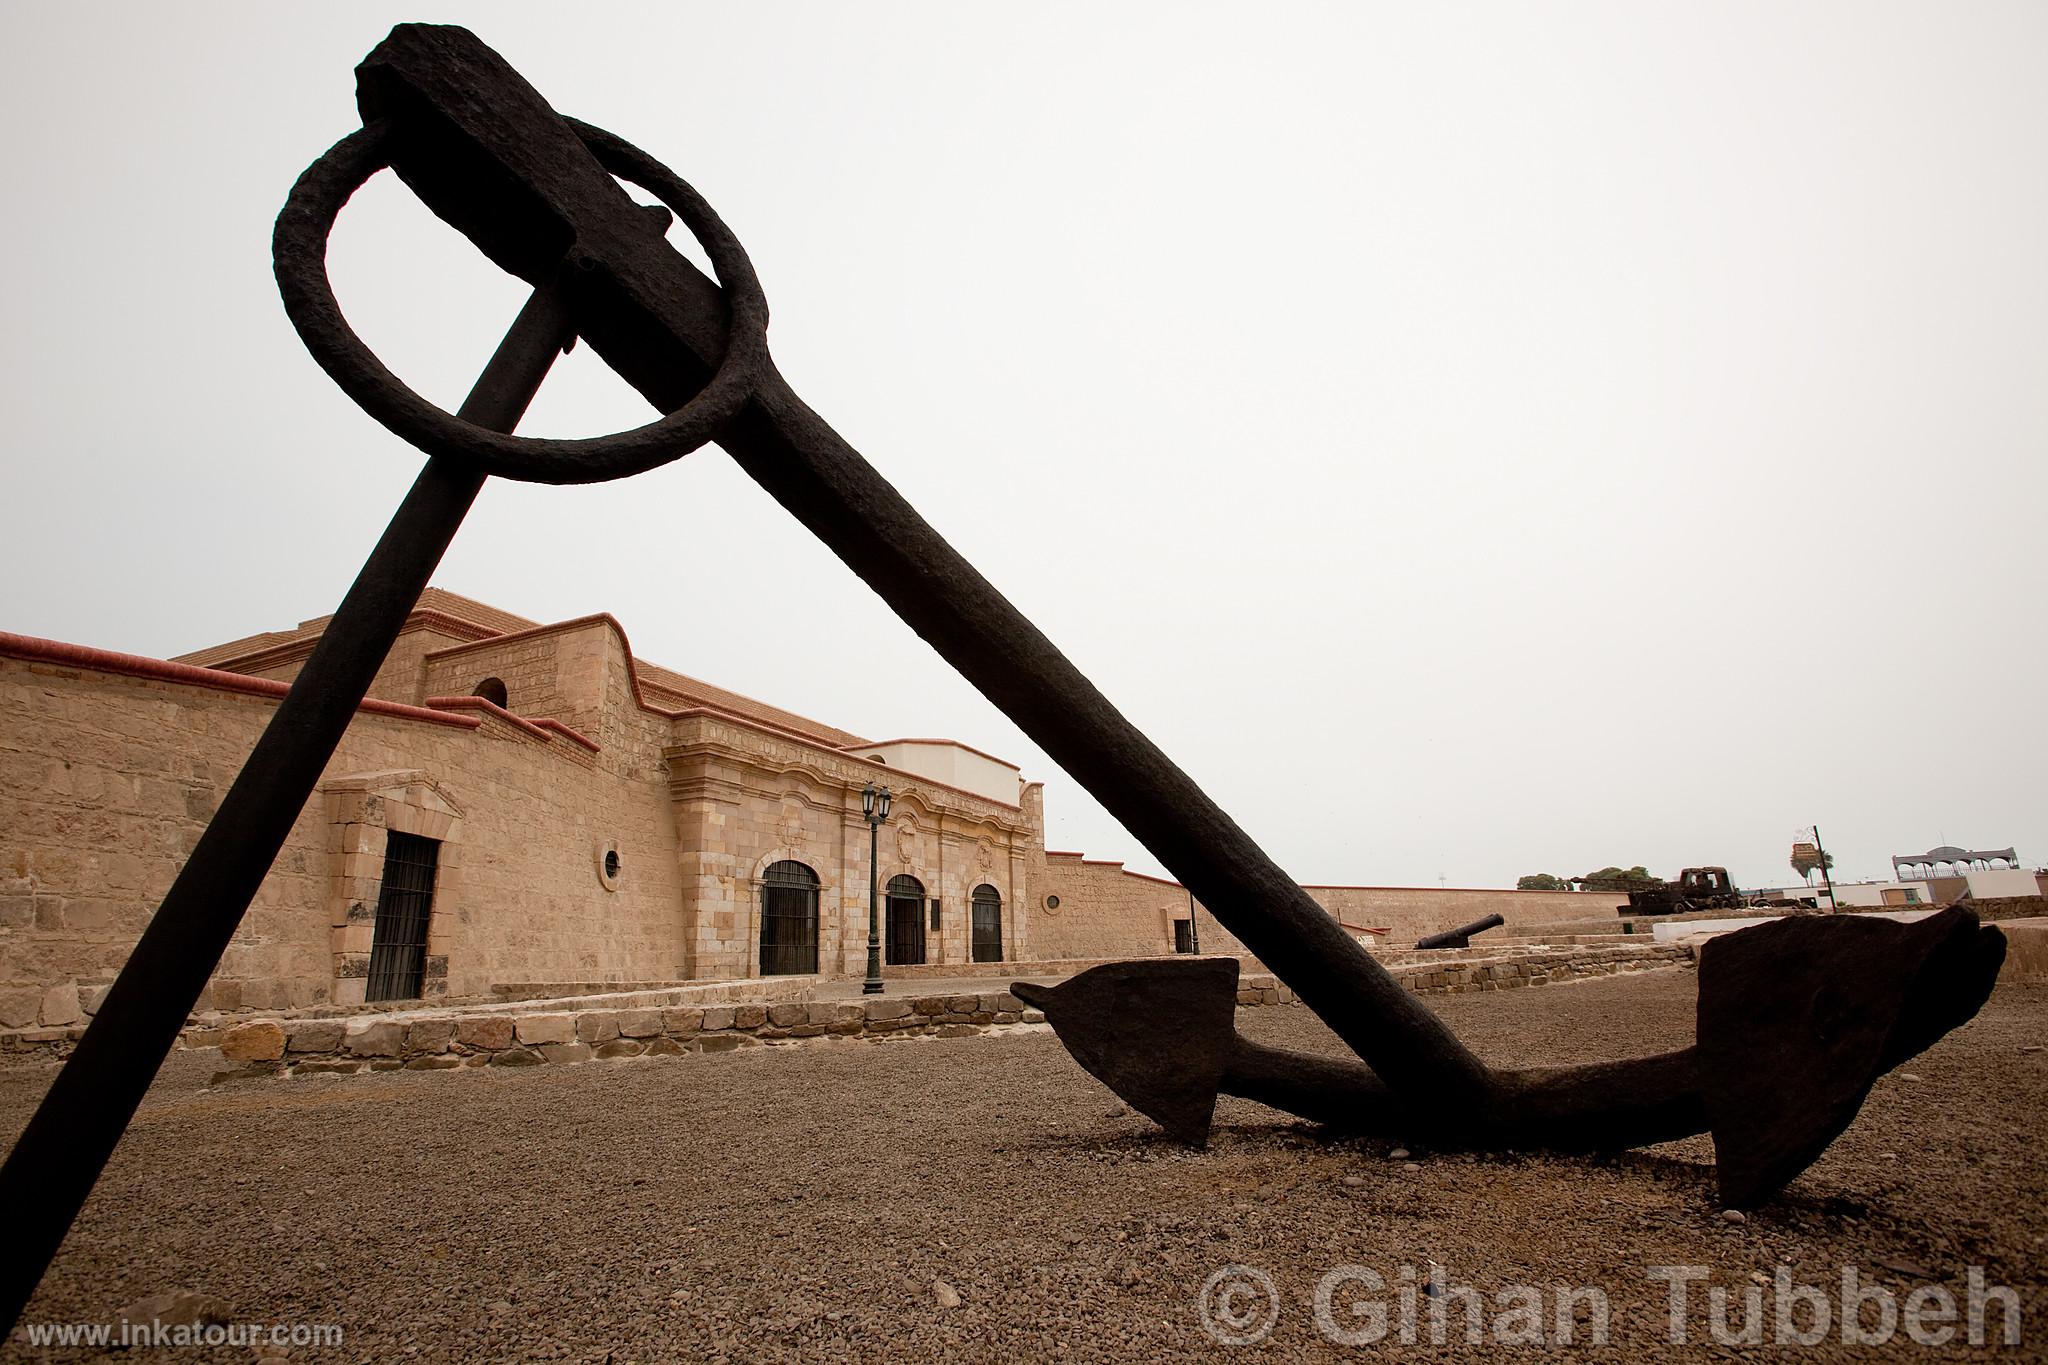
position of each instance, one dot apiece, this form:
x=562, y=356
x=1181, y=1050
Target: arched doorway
x=906, y=921
x=789, y=920
x=987, y=924
x=493, y=691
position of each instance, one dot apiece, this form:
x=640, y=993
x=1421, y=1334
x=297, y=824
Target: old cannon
x=1460, y=937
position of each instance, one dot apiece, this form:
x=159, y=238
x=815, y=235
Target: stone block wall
x=746, y=797
x=568, y=1033
x=1106, y=912
x=447, y=1041
x=1412, y=912
x=522, y=1032
x=107, y=780
x=2026, y=950
x=525, y=663
x=398, y=677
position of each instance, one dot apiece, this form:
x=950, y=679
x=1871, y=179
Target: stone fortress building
x=523, y=806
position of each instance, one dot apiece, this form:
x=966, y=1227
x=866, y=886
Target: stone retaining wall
x=1454, y=972
x=2026, y=950
x=527, y=1033
x=321, y=1046
x=1993, y=909
x=1055, y=967
x=678, y=992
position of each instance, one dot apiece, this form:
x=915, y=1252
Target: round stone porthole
x=1052, y=902
x=609, y=866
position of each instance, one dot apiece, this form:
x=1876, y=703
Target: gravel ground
x=802, y=1202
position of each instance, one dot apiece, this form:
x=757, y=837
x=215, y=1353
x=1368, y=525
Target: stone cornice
x=704, y=734
x=296, y=650
x=949, y=743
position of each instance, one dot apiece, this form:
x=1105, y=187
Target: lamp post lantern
x=874, y=803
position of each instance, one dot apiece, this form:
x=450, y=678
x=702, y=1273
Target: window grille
x=789, y=920
x=906, y=921
x=987, y=916
x=398, y=942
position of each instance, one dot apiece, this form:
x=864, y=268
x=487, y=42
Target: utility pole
x=1825, y=876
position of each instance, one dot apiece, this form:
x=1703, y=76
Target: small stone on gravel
x=174, y=1308
x=946, y=1294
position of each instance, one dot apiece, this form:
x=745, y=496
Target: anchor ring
x=299, y=259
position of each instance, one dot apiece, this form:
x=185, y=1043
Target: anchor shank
x=807, y=467
x=486, y=153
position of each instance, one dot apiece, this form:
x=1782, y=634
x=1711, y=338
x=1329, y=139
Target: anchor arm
x=1796, y=1021
x=1605, y=1107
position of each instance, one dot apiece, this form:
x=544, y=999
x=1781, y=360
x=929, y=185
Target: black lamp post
x=874, y=804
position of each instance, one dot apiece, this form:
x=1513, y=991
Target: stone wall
x=1106, y=911
x=1413, y=912
x=450, y=1040
x=2026, y=951
x=108, y=778
x=446, y=1040
x=114, y=766
x=398, y=677
x=777, y=1009
x=747, y=797
x=556, y=672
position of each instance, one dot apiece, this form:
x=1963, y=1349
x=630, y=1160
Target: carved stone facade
x=746, y=799
x=583, y=816
x=366, y=810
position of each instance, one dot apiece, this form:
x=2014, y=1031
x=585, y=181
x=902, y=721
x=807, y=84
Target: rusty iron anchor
x=1796, y=1020
x=535, y=191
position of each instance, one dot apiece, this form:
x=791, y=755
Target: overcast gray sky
x=1471, y=440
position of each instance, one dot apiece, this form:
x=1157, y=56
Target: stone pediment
x=412, y=786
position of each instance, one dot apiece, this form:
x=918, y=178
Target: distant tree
x=1618, y=879
x=1806, y=864
x=1542, y=881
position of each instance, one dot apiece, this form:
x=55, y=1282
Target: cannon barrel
x=1460, y=937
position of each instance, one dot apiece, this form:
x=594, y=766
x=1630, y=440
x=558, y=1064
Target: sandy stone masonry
x=435, y=1043
x=569, y=1032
